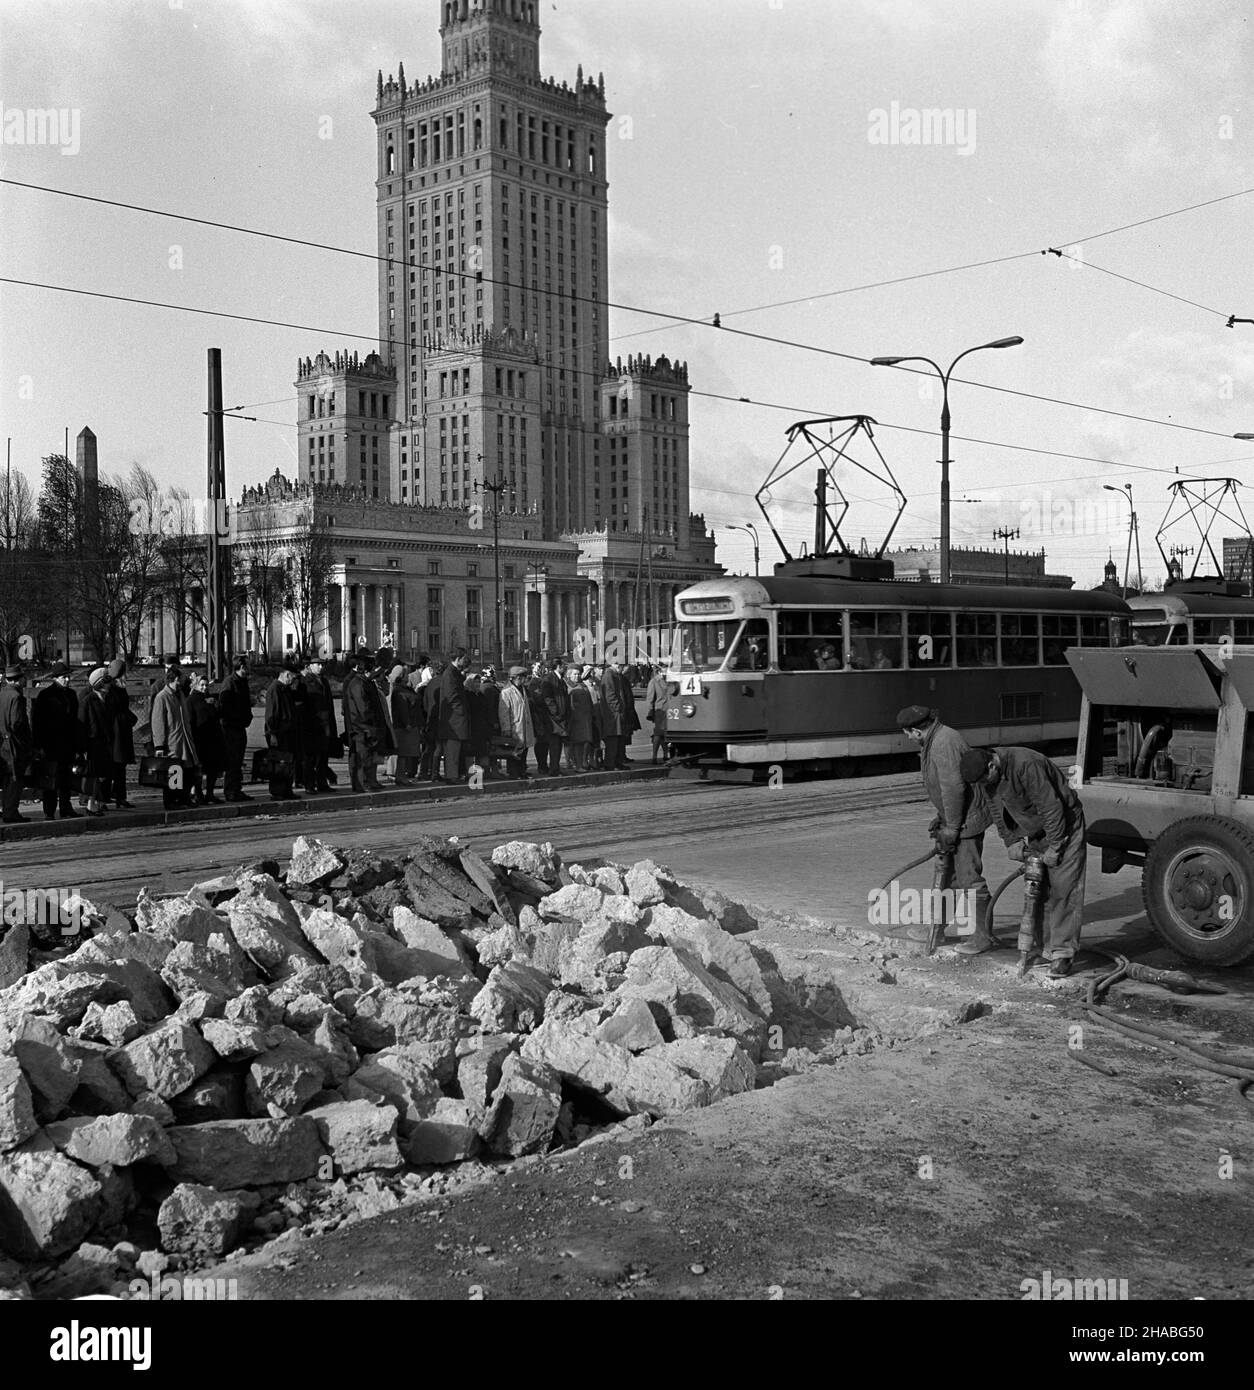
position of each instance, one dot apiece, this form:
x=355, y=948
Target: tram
x=809, y=667
x=1186, y=615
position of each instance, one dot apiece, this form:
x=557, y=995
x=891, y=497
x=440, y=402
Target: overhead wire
x=480, y=277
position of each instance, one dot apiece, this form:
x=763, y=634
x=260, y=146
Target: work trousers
x=1063, y=909
x=115, y=789
x=452, y=761
x=363, y=764
x=614, y=751
x=236, y=744
x=969, y=873
x=11, y=793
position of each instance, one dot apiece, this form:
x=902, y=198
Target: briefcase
x=273, y=765
x=171, y=774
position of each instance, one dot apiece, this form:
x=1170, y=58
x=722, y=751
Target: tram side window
x=929, y=639
x=977, y=639
x=1244, y=630
x=1058, y=632
x=1019, y=644
x=875, y=641
x=1095, y=630
x=1211, y=629
x=811, y=641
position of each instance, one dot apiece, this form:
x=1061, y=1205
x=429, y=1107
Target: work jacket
x=118, y=700
x=961, y=807
x=235, y=703
x=1032, y=800
x=365, y=716
x=96, y=721
x=15, y=740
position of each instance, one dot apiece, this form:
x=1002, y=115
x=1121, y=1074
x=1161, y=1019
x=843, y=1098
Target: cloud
x=1175, y=376
x=1128, y=76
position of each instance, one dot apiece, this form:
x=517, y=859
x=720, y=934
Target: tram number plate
x=690, y=685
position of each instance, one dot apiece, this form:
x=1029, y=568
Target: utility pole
x=66, y=581
x=496, y=488
x=218, y=530
x=1004, y=534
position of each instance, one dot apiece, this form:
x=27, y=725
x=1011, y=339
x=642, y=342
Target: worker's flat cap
x=973, y=765
x=914, y=716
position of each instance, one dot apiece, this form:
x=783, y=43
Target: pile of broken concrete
x=200, y=1073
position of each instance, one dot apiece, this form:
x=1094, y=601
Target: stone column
x=361, y=635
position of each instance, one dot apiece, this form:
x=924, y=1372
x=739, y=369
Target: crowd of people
x=427, y=721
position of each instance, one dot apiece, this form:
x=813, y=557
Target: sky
x=761, y=153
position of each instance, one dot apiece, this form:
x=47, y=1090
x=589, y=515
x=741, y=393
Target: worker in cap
x=962, y=815
x=1037, y=813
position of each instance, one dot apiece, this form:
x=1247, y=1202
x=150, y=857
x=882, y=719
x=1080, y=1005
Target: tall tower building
x=493, y=272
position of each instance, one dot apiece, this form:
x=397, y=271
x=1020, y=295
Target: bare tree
x=308, y=565
x=259, y=549
x=23, y=609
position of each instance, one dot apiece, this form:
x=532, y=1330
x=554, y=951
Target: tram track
x=112, y=869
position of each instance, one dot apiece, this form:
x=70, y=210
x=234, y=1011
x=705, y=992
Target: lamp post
x=535, y=573
x=945, y=460
x=495, y=488
x=750, y=529
x=1126, y=490
x=1005, y=534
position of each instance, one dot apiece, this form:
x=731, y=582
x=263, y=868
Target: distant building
x=976, y=566
x=1239, y=558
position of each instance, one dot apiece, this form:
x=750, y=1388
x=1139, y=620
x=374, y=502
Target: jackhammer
x=1030, y=929
x=942, y=877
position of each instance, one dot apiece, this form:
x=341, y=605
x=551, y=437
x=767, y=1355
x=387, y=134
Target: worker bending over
x=1036, y=812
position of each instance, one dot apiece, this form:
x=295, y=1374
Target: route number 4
x=690, y=685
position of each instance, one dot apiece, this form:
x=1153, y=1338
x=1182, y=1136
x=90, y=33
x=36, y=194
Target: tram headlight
x=688, y=708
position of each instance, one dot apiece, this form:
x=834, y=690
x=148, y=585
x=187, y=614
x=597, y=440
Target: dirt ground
x=966, y=1153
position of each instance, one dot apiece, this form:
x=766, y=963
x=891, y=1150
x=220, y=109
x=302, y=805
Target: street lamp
x=944, y=377
x=750, y=529
x=1126, y=491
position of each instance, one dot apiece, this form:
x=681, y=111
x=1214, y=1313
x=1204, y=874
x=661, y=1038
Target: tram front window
x=730, y=646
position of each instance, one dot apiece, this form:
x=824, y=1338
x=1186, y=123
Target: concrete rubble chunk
x=449, y=1134
x=359, y=1136
x=540, y=861
x=119, y=1023
x=164, y=1061
x=99, y=1092
x=725, y=956
x=14, y=954
x=61, y=992
x=644, y=886
x=267, y=929
x=117, y=1139
x=504, y=944
x=632, y=1026
x=601, y=948
x=48, y=1203
x=724, y=1066
x=524, y=1110
x=609, y=880
x=313, y=864
x=254, y=1006
x=138, y=945
x=650, y=1083
x=512, y=999
x=365, y=870
x=576, y=902
x=199, y=1220
x=387, y=1015
x=335, y=938
x=191, y=969
x=481, y=874
x=232, y=1041
x=288, y=1074
x=402, y=1077
x=479, y=1071
x=435, y=951
x=155, y=1108
x=227, y=1154
x=552, y=944
x=176, y=919
x=48, y=1061
x=675, y=978
x=17, y=1112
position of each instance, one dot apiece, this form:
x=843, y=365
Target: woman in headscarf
x=96, y=718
